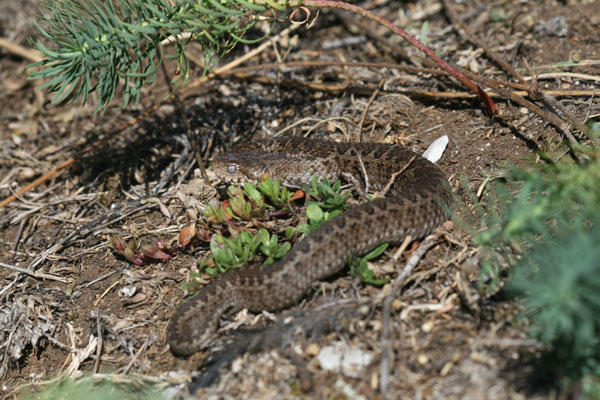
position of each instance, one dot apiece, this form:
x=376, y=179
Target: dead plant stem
x=489, y=103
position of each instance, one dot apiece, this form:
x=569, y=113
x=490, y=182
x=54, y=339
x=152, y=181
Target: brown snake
x=418, y=200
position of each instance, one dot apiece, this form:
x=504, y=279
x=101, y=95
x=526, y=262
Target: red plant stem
x=489, y=103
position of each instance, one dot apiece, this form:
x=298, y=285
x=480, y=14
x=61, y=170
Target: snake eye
x=231, y=169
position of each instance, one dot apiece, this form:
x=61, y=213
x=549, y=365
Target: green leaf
x=424, y=32
x=368, y=276
x=376, y=252
x=289, y=232
x=283, y=249
x=314, y=212
x=252, y=192
x=304, y=228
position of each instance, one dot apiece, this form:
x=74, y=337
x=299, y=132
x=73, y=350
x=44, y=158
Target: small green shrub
x=242, y=249
x=546, y=237
x=326, y=201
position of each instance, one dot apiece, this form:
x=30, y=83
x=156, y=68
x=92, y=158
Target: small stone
x=127, y=291
x=236, y=367
x=17, y=139
x=225, y=90
x=312, y=350
x=26, y=173
x=446, y=368
x=363, y=310
x=374, y=380
x=340, y=357
x=428, y=326
x=422, y=359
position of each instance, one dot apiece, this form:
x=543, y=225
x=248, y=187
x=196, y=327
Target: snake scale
x=418, y=200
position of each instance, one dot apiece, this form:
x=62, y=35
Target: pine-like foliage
x=559, y=282
x=101, y=43
x=548, y=234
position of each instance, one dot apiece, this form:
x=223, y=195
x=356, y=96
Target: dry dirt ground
x=60, y=284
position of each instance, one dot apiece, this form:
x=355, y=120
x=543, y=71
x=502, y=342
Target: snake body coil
x=418, y=201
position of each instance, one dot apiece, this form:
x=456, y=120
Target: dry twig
x=414, y=259
x=24, y=52
x=364, y=115
x=471, y=37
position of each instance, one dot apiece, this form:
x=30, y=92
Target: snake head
x=290, y=169
x=240, y=167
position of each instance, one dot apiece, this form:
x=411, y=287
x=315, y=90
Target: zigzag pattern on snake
x=417, y=202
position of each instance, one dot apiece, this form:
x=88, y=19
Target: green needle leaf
x=104, y=41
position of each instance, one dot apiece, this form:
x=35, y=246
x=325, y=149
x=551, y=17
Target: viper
x=417, y=199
